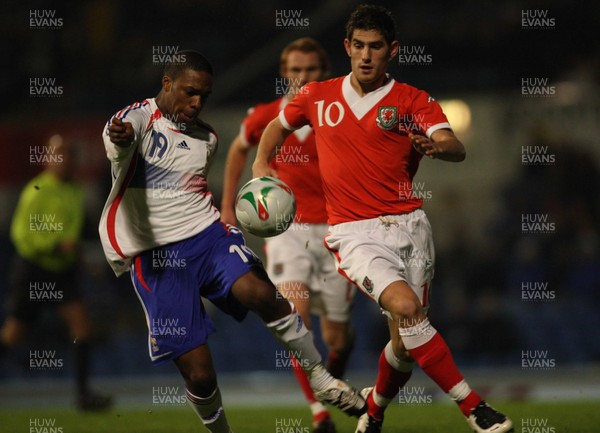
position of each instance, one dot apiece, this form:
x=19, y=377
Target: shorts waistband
x=374, y=223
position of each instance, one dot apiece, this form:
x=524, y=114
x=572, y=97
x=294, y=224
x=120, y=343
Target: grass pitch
x=572, y=417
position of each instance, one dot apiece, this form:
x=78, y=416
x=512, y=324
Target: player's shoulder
x=405, y=88
x=137, y=108
x=407, y=92
x=202, y=131
x=41, y=184
x=261, y=114
x=41, y=179
x=204, y=125
x=270, y=108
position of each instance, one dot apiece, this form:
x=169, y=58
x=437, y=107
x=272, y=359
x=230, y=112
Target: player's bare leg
x=339, y=339
x=201, y=389
x=257, y=293
x=75, y=315
x=427, y=347
x=298, y=293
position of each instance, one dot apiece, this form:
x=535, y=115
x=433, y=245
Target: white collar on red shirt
x=360, y=105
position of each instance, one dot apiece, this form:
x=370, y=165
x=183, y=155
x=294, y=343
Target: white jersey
x=160, y=192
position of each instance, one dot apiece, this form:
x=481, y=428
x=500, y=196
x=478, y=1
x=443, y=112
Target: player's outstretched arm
x=237, y=156
x=272, y=138
x=443, y=145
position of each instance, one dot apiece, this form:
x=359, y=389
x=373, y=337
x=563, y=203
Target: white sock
x=417, y=335
x=320, y=378
x=397, y=363
x=460, y=391
x=210, y=410
x=295, y=336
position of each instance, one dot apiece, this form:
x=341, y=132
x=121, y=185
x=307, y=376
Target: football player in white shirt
x=161, y=224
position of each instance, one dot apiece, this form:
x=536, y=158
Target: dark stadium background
x=102, y=58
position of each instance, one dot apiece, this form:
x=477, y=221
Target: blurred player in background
x=46, y=231
x=160, y=223
x=298, y=263
x=371, y=133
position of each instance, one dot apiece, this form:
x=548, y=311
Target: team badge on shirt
x=278, y=269
x=387, y=117
x=368, y=284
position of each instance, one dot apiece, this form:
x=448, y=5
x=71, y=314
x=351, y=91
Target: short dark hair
x=372, y=17
x=187, y=59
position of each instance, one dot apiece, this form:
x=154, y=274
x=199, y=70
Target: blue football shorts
x=171, y=280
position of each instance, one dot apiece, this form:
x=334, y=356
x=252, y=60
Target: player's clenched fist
x=121, y=133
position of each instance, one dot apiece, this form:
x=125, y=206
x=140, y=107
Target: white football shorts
x=376, y=252
x=299, y=255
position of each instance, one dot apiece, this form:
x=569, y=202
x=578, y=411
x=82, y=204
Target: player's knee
x=401, y=302
x=406, y=310
x=269, y=304
x=201, y=382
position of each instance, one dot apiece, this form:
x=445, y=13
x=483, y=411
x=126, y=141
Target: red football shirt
x=296, y=162
x=366, y=158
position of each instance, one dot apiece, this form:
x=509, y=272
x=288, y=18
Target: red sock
x=321, y=416
x=388, y=382
x=435, y=359
x=467, y=405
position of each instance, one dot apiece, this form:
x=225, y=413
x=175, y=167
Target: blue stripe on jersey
x=127, y=109
x=132, y=107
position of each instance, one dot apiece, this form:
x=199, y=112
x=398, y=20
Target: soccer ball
x=265, y=206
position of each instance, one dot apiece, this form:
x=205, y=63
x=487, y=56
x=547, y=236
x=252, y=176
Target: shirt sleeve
x=295, y=114
x=139, y=119
x=427, y=114
x=253, y=127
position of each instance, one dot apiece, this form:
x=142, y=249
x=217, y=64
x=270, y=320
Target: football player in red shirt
x=371, y=134
x=298, y=263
